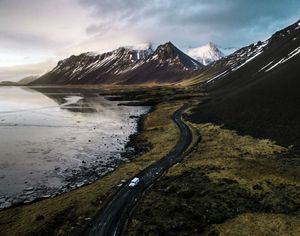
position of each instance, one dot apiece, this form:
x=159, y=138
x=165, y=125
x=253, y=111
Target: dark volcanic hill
x=123, y=66
x=259, y=96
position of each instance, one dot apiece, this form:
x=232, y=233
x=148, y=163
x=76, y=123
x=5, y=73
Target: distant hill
x=7, y=83
x=27, y=80
x=22, y=82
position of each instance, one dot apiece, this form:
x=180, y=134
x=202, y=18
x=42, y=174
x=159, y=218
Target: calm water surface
x=53, y=140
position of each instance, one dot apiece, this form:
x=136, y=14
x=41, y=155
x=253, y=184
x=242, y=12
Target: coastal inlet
x=53, y=140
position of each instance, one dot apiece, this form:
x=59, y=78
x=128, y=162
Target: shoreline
x=83, y=175
x=70, y=213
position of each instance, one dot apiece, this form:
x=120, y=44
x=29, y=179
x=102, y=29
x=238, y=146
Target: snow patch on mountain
x=142, y=51
x=283, y=60
x=206, y=54
x=250, y=54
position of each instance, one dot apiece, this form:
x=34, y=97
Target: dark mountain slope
x=262, y=97
x=123, y=66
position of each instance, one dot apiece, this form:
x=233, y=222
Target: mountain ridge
x=123, y=66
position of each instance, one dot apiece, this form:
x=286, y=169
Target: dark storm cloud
x=233, y=22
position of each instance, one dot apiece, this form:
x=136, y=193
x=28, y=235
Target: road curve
x=113, y=217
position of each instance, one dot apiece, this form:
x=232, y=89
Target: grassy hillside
x=228, y=185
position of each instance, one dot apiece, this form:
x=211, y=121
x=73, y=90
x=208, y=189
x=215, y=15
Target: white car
x=134, y=182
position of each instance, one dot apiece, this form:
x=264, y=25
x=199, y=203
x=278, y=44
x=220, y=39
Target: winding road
x=113, y=217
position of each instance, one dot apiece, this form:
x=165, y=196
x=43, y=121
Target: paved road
x=114, y=216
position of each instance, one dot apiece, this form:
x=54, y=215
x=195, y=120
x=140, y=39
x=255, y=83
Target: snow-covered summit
x=206, y=54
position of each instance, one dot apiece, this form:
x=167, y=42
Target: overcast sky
x=35, y=34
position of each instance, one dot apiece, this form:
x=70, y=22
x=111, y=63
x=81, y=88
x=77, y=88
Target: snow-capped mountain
x=206, y=54
x=124, y=65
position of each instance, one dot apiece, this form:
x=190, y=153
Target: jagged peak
x=169, y=52
x=167, y=45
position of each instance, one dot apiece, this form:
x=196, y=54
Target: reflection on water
x=52, y=140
